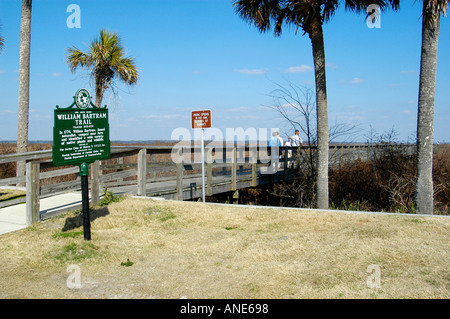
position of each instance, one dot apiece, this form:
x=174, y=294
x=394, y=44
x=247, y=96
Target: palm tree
x=24, y=83
x=309, y=15
x=432, y=9
x=106, y=60
x=2, y=43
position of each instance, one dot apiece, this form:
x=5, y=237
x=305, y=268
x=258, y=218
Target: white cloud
x=349, y=116
x=162, y=116
x=332, y=66
x=353, y=81
x=56, y=74
x=298, y=69
x=244, y=109
x=409, y=72
x=356, y=81
x=8, y=112
x=238, y=109
x=252, y=71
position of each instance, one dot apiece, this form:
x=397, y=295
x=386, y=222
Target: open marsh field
x=144, y=248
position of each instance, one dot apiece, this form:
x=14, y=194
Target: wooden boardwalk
x=192, y=186
x=170, y=172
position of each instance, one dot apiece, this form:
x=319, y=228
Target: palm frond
x=2, y=43
x=76, y=58
x=433, y=8
x=127, y=71
x=260, y=13
x=266, y=15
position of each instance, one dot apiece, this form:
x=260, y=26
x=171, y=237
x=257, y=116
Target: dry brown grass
x=8, y=194
x=211, y=251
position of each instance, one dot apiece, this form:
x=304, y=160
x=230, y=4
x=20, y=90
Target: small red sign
x=201, y=119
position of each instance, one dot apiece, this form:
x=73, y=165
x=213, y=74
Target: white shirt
x=296, y=140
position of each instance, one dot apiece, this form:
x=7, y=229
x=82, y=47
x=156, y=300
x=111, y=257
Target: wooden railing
x=165, y=170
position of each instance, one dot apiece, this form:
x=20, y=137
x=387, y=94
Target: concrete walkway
x=13, y=218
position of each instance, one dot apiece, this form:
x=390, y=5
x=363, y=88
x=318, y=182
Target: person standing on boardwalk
x=296, y=139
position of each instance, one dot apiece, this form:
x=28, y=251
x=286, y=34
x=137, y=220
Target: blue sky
x=198, y=54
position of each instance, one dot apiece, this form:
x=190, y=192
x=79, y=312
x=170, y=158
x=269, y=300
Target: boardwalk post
x=153, y=161
x=95, y=184
x=254, y=161
x=32, y=189
x=180, y=167
x=142, y=172
x=233, y=168
x=286, y=159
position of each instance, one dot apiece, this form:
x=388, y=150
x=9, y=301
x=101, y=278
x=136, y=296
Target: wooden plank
x=117, y=175
x=61, y=187
x=142, y=172
x=118, y=165
x=254, y=161
x=12, y=181
x=32, y=197
x=60, y=172
x=233, y=169
x=13, y=202
x=28, y=156
x=119, y=183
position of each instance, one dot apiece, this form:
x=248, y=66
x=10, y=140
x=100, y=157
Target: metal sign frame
x=81, y=134
x=201, y=119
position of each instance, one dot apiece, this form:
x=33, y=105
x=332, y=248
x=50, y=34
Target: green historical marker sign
x=81, y=134
x=81, y=137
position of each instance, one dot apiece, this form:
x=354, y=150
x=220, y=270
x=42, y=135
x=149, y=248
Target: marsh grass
x=222, y=251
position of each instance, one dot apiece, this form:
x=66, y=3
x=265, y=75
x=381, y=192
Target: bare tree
x=297, y=107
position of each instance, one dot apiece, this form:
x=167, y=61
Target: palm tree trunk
x=425, y=118
x=98, y=97
x=24, y=83
x=316, y=35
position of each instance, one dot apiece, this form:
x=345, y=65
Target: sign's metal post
x=84, y=173
x=203, y=165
